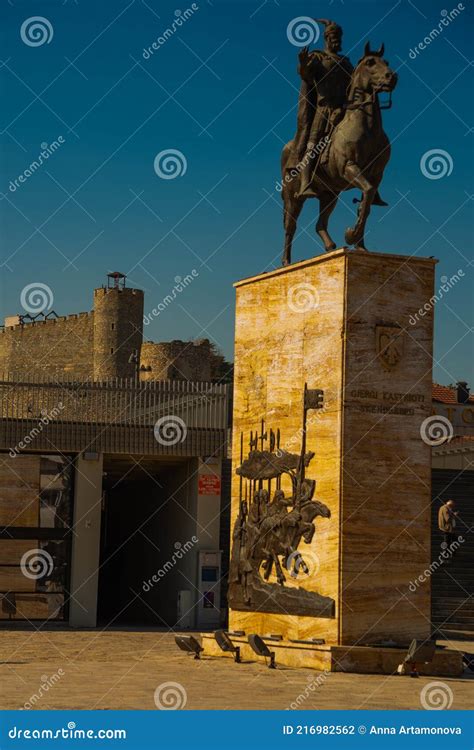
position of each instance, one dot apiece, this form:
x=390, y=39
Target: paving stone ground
x=121, y=669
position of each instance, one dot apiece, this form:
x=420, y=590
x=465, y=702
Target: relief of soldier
x=270, y=526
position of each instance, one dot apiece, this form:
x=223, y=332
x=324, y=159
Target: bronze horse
x=280, y=534
x=358, y=151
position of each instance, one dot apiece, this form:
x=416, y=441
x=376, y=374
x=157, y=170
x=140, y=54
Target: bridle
x=352, y=105
x=372, y=99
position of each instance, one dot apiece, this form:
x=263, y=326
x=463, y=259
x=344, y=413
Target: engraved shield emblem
x=389, y=345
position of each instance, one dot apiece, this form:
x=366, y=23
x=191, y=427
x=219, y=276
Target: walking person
x=447, y=523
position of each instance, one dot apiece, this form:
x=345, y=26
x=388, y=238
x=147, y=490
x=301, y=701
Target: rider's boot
x=305, y=190
x=378, y=201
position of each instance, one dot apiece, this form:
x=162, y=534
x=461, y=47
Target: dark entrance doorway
x=138, y=503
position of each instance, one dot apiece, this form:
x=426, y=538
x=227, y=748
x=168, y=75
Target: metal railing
x=75, y=411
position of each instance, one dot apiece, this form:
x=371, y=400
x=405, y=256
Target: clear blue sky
x=223, y=91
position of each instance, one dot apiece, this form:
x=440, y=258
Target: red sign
x=209, y=484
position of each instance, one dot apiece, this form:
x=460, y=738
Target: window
x=35, y=536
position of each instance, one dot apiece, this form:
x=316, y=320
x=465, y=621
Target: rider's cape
x=307, y=105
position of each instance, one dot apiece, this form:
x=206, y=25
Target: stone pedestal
x=349, y=323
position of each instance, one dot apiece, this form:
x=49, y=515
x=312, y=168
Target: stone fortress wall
x=101, y=344
x=177, y=360
x=49, y=347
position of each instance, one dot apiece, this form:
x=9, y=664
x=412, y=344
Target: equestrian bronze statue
x=340, y=143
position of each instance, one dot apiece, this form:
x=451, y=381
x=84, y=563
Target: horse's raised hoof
x=329, y=248
x=361, y=248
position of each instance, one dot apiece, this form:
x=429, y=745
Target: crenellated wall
x=102, y=344
x=54, y=346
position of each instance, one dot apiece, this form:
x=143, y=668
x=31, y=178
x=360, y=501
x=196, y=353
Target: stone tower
x=118, y=329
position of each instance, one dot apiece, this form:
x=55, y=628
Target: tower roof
x=116, y=280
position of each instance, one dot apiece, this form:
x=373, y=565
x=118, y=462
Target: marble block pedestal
x=349, y=323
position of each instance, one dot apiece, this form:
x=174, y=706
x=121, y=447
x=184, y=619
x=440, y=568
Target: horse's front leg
x=353, y=174
x=278, y=569
x=268, y=568
x=327, y=203
x=291, y=211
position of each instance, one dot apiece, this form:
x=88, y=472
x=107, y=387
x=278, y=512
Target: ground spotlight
x=419, y=652
x=189, y=644
x=225, y=644
x=261, y=649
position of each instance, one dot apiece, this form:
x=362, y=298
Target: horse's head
x=314, y=508
x=373, y=74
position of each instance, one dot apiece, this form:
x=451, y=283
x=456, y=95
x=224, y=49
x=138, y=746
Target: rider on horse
x=326, y=76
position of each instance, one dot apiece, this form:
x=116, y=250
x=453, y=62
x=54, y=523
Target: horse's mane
x=367, y=53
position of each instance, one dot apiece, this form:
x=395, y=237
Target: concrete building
x=110, y=501
x=111, y=456
x=452, y=600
